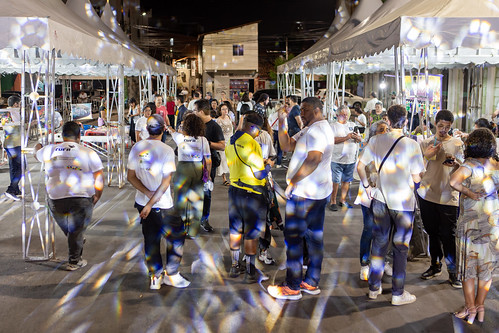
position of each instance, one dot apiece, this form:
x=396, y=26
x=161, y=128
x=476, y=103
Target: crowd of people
x=451, y=178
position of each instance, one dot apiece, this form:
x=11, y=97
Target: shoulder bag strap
x=387, y=154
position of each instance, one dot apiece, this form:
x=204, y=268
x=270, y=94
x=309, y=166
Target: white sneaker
x=12, y=196
x=156, y=282
x=405, y=298
x=364, y=273
x=277, y=166
x=388, y=269
x=374, y=294
x=266, y=258
x=176, y=280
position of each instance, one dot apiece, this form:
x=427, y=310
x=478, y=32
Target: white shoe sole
x=374, y=294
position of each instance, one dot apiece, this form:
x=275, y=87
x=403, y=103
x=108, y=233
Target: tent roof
x=83, y=48
x=456, y=32
x=317, y=55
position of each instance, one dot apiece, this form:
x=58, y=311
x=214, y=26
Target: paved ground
x=111, y=294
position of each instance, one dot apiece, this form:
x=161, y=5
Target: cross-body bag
x=258, y=188
x=383, y=162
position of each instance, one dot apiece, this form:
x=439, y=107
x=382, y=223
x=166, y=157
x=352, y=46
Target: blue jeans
x=367, y=235
x=304, y=221
x=15, y=169
x=73, y=216
x=384, y=221
x=158, y=224
x=278, y=148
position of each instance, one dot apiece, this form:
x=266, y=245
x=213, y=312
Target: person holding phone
x=438, y=201
x=344, y=156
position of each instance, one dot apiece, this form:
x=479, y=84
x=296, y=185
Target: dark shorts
x=247, y=213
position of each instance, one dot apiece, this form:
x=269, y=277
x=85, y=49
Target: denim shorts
x=342, y=172
x=247, y=213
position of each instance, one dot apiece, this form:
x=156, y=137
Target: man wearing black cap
x=247, y=206
x=151, y=164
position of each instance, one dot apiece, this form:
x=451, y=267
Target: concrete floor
x=112, y=293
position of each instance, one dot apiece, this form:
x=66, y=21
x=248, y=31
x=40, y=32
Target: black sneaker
x=432, y=272
x=333, y=207
x=206, y=226
x=454, y=281
x=235, y=271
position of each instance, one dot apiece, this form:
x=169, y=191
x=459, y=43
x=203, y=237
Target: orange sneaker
x=305, y=287
x=284, y=292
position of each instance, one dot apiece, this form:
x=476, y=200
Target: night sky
x=278, y=17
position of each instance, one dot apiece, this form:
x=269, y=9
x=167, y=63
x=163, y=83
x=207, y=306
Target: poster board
x=81, y=111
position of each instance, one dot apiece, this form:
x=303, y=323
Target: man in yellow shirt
x=247, y=205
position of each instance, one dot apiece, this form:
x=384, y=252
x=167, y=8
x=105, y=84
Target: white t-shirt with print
x=141, y=127
x=70, y=169
x=191, y=149
x=316, y=137
x=345, y=152
x=395, y=186
x=152, y=160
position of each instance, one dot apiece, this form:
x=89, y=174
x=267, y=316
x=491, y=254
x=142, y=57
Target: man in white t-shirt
x=196, y=97
x=309, y=186
x=344, y=156
x=394, y=201
x=371, y=104
x=74, y=186
x=151, y=164
x=141, y=132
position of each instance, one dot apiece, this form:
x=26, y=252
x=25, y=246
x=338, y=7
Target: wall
x=218, y=52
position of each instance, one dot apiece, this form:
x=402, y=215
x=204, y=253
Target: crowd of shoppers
x=452, y=181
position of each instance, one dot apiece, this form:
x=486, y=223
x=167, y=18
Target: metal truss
x=161, y=83
x=172, y=85
x=307, y=82
x=281, y=86
x=36, y=221
x=67, y=99
x=145, y=88
x=335, y=80
x=115, y=84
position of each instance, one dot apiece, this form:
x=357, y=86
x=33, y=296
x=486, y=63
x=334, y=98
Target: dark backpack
x=245, y=108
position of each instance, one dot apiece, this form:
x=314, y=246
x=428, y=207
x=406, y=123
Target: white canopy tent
x=45, y=38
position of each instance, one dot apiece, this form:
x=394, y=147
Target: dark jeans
x=367, y=236
x=189, y=194
x=15, y=169
x=440, y=223
x=278, y=148
x=158, y=224
x=384, y=221
x=207, y=198
x=304, y=221
x=171, y=118
x=73, y=216
x=165, y=135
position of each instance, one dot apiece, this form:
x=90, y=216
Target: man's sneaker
x=235, y=271
x=405, y=298
x=156, y=282
x=388, y=269
x=345, y=204
x=374, y=294
x=176, y=280
x=432, y=272
x=305, y=287
x=74, y=266
x=454, y=281
x=333, y=207
x=364, y=273
x=206, y=226
x=266, y=258
x=277, y=166
x=12, y=196
x=284, y=292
